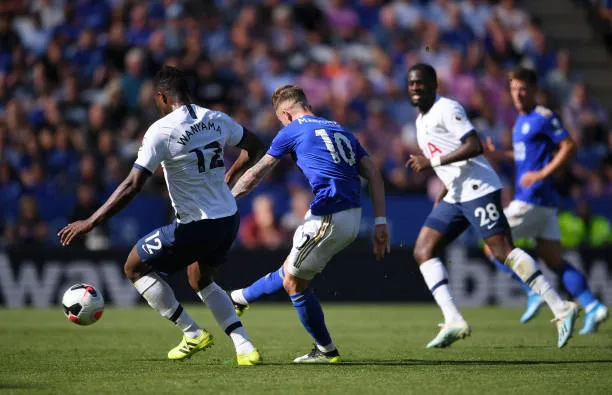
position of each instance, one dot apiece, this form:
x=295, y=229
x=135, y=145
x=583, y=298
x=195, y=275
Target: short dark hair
x=291, y=93
x=525, y=75
x=171, y=81
x=427, y=70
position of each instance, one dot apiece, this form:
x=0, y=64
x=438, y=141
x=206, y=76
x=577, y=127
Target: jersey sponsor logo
x=209, y=126
x=433, y=149
x=525, y=129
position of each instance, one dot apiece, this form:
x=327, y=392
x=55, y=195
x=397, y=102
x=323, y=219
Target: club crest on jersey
x=209, y=126
x=525, y=128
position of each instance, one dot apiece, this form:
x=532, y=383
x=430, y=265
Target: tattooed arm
x=252, y=177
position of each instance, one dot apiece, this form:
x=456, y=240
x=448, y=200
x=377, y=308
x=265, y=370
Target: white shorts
x=319, y=238
x=530, y=221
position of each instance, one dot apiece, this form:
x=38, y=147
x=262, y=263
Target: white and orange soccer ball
x=83, y=304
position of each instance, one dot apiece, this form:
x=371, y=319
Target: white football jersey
x=189, y=143
x=439, y=132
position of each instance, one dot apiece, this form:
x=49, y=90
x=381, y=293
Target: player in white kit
x=471, y=196
x=188, y=142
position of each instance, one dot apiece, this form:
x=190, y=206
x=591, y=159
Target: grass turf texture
x=383, y=347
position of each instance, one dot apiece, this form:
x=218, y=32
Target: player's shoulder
x=543, y=112
x=446, y=103
x=546, y=116
x=161, y=127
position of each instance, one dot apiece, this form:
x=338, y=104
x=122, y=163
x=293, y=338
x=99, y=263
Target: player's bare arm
x=252, y=149
x=441, y=195
x=470, y=148
x=490, y=148
x=566, y=151
x=368, y=170
x=124, y=194
x=253, y=176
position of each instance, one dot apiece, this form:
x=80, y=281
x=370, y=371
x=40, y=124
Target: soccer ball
x=83, y=304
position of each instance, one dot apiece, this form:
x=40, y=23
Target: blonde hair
x=289, y=93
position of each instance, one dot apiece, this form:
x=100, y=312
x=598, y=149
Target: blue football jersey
x=328, y=156
x=535, y=137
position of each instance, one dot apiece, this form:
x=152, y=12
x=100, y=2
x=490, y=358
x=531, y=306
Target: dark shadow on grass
x=21, y=386
x=420, y=362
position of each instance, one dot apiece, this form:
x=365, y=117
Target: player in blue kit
x=537, y=133
x=332, y=160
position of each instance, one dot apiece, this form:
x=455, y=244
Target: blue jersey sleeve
x=555, y=130
x=283, y=143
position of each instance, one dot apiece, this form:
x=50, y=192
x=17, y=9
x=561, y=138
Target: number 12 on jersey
x=215, y=160
x=339, y=138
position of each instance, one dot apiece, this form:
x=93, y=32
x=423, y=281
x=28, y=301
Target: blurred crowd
x=76, y=93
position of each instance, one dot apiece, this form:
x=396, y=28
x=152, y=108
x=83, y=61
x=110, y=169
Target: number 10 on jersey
x=339, y=138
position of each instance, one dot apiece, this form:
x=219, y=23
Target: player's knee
x=289, y=285
x=130, y=272
x=501, y=252
x=422, y=253
x=293, y=284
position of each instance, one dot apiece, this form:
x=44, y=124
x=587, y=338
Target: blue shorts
x=175, y=246
x=485, y=214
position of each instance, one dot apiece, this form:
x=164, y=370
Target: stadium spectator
x=75, y=91
x=581, y=111
x=260, y=229
x=299, y=206
x=28, y=229
x=87, y=204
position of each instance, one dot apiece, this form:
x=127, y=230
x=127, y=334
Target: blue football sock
x=506, y=269
x=575, y=283
x=311, y=314
x=267, y=285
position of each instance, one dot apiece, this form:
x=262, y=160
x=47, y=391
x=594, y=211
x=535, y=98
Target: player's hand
x=72, y=230
x=530, y=178
x=489, y=146
x=382, y=242
x=418, y=163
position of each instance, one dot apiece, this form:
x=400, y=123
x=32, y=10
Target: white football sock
x=223, y=310
x=160, y=296
x=328, y=348
x=238, y=297
x=436, y=278
x=525, y=267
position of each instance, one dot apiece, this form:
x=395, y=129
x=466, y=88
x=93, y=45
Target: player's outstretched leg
x=311, y=315
x=574, y=282
x=266, y=285
x=222, y=309
x=534, y=301
x=525, y=267
x=436, y=278
x=160, y=296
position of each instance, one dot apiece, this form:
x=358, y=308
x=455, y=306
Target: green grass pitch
x=383, y=347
